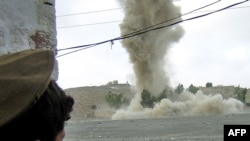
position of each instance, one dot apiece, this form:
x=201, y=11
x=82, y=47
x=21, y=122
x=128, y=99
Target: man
x=32, y=106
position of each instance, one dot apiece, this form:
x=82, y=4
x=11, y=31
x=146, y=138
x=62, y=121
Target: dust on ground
x=191, y=128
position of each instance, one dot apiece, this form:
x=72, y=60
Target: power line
x=189, y=19
x=89, y=24
x=108, y=22
x=141, y=30
x=232, y=8
x=75, y=51
x=83, y=13
x=149, y=30
x=97, y=11
x=156, y=24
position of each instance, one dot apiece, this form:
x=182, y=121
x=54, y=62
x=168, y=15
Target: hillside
x=87, y=98
x=90, y=100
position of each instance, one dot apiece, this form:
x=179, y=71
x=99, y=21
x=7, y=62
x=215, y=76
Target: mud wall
x=27, y=24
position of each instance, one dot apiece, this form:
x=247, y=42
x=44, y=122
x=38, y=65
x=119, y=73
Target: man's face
x=60, y=136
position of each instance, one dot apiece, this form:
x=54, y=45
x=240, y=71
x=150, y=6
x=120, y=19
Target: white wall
x=27, y=24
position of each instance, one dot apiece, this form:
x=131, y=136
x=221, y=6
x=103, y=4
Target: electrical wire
x=189, y=19
x=97, y=11
x=149, y=30
x=74, y=51
x=141, y=30
x=160, y=22
x=232, y=8
x=89, y=24
x=146, y=28
x=108, y=22
x=118, y=38
x=83, y=13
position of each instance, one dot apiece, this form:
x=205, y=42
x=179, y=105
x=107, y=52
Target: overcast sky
x=214, y=49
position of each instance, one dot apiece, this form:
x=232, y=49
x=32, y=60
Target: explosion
x=147, y=54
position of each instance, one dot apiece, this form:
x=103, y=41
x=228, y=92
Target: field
x=87, y=97
x=195, y=128
x=88, y=124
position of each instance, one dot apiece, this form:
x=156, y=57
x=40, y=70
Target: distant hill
x=225, y=91
x=90, y=100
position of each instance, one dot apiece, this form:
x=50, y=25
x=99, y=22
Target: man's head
x=24, y=77
x=44, y=121
x=32, y=107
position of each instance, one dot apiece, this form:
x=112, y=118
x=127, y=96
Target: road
x=196, y=128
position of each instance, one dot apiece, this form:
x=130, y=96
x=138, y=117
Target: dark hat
x=24, y=76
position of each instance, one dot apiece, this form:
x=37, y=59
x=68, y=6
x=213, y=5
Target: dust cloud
x=187, y=104
x=147, y=54
x=147, y=51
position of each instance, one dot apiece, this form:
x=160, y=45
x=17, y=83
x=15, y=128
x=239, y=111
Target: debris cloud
x=187, y=104
x=147, y=51
x=147, y=54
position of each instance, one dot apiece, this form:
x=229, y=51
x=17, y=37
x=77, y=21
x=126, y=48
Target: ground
x=195, y=128
x=95, y=125
x=89, y=96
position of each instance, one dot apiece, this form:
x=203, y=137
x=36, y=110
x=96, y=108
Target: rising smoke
x=147, y=51
x=187, y=104
x=147, y=54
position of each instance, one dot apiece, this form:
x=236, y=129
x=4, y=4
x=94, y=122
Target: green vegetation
x=179, y=89
x=193, y=89
x=93, y=107
x=116, y=100
x=148, y=100
x=240, y=93
x=209, y=84
x=163, y=95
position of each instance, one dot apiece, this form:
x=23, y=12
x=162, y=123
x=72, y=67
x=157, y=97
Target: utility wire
x=189, y=19
x=153, y=25
x=75, y=51
x=232, y=8
x=143, y=32
x=125, y=36
x=89, y=24
x=97, y=11
x=108, y=22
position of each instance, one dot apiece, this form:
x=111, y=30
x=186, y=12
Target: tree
x=147, y=99
x=193, y=89
x=115, y=100
x=240, y=93
x=93, y=107
x=209, y=84
x=162, y=95
x=179, y=89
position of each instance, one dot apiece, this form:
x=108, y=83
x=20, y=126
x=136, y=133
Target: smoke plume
x=147, y=51
x=147, y=54
x=187, y=104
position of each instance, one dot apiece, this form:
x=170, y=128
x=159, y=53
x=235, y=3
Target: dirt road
x=199, y=128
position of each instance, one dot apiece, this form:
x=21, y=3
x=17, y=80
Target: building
x=27, y=24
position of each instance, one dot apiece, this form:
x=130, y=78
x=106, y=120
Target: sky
x=214, y=49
